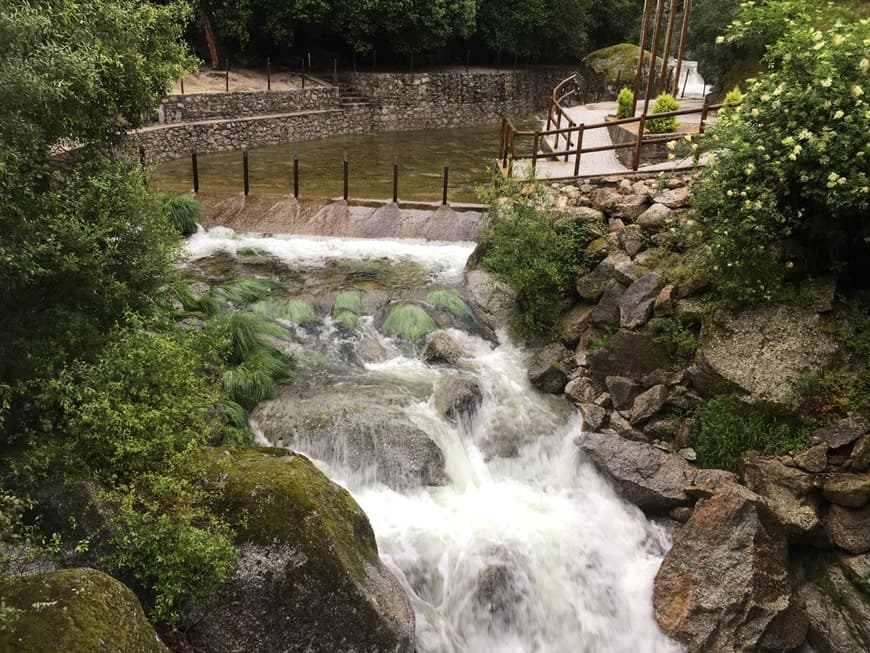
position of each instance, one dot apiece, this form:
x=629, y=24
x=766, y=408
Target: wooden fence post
x=245, y=181
x=268, y=74
x=296, y=174
x=535, y=146
x=346, y=183
x=580, y=130
x=395, y=180
x=195, y=170
x=444, y=186
x=639, y=144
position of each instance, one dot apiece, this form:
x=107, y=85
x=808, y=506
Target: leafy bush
x=677, y=337
x=664, y=103
x=729, y=430
x=734, y=96
x=793, y=163
x=625, y=103
x=523, y=247
x=182, y=212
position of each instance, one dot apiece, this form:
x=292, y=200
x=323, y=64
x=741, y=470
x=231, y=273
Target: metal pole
x=644, y=28
x=195, y=170
x=182, y=85
x=246, y=185
x=296, y=174
x=227, y=79
x=685, y=82
x=268, y=74
x=671, y=18
x=687, y=10
x=345, y=176
x=309, y=61
x=142, y=156
x=444, y=187
x=395, y=180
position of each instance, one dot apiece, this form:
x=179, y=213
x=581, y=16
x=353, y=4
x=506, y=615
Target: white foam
x=445, y=260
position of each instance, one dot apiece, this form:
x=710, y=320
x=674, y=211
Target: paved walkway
x=598, y=163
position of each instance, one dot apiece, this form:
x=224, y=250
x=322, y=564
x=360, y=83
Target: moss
x=76, y=610
x=272, y=495
x=408, y=321
x=614, y=59
x=348, y=320
x=450, y=302
x=348, y=301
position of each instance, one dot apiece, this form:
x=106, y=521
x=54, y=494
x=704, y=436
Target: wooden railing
x=572, y=134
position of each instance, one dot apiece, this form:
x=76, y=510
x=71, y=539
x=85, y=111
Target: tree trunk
x=215, y=43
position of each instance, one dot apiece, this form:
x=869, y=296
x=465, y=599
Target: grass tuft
x=408, y=321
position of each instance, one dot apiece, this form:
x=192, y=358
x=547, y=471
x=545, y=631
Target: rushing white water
x=526, y=549
x=694, y=84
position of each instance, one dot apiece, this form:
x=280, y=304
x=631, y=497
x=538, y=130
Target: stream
x=503, y=537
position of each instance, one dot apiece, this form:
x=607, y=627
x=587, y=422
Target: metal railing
x=572, y=135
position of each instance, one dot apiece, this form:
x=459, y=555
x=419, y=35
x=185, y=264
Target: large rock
x=844, y=432
x=838, y=612
x=622, y=391
x=648, y=404
x=309, y=577
x=636, y=303
x=758, y=351
x=617, y=266
x=457, y=398
x=655, y=217
x=627, y=353
x=75, y=610
x=849, y=490
x=441, y=348
x=646, y=476
x=346, y=427
x=849, y=528
x=724, y=584
x=549, y=368
x=606, y=312
x=495, y=301
x=573, y=323
x=790, y=493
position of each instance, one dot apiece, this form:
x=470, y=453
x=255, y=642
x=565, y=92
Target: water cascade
x=504, y=539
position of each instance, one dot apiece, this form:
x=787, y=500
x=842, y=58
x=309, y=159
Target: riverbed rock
x=663, y=306
x=648, y=403
x=636, y=303
x=457, y=398
x=495, y=301
x=673, y=198
x=622, y=391
x=849, y=528
x=838, y=612
x=848, y=490
x=724, y=585
x=549, y=368
x=441, y=348
x=309, y=577
x=594, y=417
x=571, y=324
x=790, y=493
x=355, y=432
x=627, y=353
x=759, y=350
x=813, y=459
x=606, y=312
x=655, y=217
x=75, y=610
x=844, y=432
x=630, y=239
x=859, y=459
x=646, y=476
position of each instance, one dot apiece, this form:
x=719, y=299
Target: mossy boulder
x=408, y=322
x=75, y=610
x=309, y=576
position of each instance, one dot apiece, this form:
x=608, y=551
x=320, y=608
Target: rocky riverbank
x=774, y=554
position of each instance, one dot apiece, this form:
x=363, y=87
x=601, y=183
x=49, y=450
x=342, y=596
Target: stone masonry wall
x=216, y=122
x=209, y=106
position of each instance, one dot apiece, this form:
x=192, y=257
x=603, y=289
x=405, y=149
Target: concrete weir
x=359, y=219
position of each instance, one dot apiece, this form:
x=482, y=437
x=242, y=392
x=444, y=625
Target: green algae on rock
x=75, y=610
x=309, y=576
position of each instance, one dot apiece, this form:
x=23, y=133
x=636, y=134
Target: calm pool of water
x=421, y=155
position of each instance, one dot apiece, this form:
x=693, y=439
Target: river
x=511, y=542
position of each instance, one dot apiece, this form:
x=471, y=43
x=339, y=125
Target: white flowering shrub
x=793, y=163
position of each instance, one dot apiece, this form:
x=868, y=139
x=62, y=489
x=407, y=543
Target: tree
x=792, y=163
x=81, y=241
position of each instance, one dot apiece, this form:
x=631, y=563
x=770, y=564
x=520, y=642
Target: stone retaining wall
x=655, y=148
x=207, y=106
x=215, y=122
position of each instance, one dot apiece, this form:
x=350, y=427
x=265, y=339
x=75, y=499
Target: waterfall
x=522, y=546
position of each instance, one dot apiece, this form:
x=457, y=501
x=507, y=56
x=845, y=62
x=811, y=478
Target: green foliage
x=625, y=103
x=601, y=339
x=728, y=430
x=181, y=291
x=244, y=291
x=172, y=555
x=524, y=248
x=182, y=212
x=449, y=301
x=734, y=96
x=663, y=104
x=408, y=321
x=677, y=337
x=793, y=163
